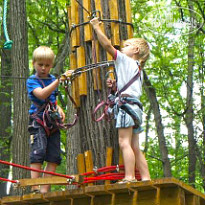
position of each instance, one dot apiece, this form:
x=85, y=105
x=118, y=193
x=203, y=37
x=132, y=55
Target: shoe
x=35, y=191
x=124, y=181
x=146, y=180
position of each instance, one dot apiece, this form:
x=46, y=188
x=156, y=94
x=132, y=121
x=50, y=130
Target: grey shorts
x=43, y=148
x=129, y=115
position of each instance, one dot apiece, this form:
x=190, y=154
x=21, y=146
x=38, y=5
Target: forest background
x=173, y=99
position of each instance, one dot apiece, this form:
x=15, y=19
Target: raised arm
x=102, y=38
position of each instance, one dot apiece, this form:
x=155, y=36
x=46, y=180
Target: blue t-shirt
x=34, y=82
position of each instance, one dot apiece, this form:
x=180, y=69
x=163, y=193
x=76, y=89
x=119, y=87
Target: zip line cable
x=76, y=72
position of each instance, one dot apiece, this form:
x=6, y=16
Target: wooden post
x=98, y=7
x=75, y=35
x=87, y=27
x=75, y=86
x=111, y=68
x=82, y=80
x=128, y=18
x=81, y=164
x=113, y=6
x=89, y=163
x=96, y=71
x=109, y=155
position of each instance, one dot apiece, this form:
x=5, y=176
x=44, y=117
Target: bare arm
x=43, y=93
x=102, y=38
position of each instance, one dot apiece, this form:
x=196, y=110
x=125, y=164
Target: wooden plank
x=55, y=196
x=96, y=71
x=128, y=18
x=113, y=6
x=34, y=199
x=48, y=180
x=81, y=164
x=75, y=86
x=169, y=182
x=87, y=27
x=121, y=160
x=172, y=195
x=89, y=162
x=111, y=68
x=82, y=79
x=109, y=155
x=98, y=7
x=14, y=200
x=75, y=35
x=168, y=191
x=192, y=199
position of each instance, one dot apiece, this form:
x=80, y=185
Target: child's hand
x=66, y=75
x=111, y=83
x=61, y=113
x=95, y=22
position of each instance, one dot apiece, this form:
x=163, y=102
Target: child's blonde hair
x=144, y=50
x=43, y=53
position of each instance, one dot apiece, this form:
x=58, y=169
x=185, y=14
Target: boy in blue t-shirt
x=44, y=140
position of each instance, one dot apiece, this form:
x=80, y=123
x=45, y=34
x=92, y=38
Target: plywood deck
x=167, y=191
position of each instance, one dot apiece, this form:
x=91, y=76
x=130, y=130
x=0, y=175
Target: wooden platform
x=167, y=191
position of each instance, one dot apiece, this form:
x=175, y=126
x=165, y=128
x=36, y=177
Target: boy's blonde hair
x=144, y=50
x=43, y=53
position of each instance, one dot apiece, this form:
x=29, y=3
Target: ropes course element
x=8, y=43
x=35, y=170
x=94, y=14
x=87, y=68
x=9, y=180
x=83, y=178
x=74, y=26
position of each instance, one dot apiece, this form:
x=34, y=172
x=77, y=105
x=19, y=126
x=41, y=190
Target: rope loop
x=8, y=43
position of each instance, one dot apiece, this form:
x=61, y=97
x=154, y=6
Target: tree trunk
x=150, y=91
x=5, y=111
x=20, y=146
x=96, y=136
x=189, y=101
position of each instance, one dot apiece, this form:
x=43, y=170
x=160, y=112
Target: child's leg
x=141, y=162
x=125, y=138
x=51, y=167
x=35, y=174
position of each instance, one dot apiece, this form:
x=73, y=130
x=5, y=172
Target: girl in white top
x=135, y=49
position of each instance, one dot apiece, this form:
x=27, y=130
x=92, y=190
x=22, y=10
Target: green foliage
x=167, y=31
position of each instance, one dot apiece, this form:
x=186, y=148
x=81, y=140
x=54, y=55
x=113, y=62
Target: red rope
x=35, y=170
x=106, y=176
x=105, y=169
x=8, y=180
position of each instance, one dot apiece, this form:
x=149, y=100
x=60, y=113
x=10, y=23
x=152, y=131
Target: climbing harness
x=51, y=120
x=123, y=102
x=8, y=43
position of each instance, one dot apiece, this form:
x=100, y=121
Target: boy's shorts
x=43, y=148
x=123, y=119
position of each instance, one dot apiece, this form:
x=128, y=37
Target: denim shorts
x=43, y=148
x=128, y=115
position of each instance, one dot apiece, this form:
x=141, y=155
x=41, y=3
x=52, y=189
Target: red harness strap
x=107, y=105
